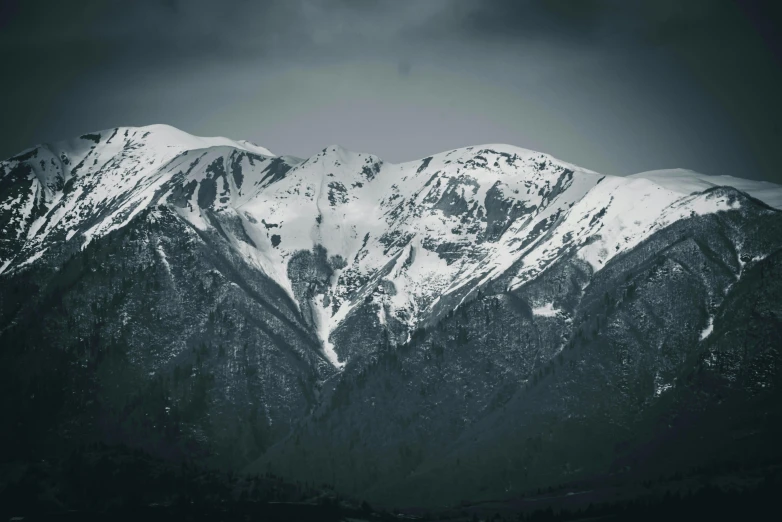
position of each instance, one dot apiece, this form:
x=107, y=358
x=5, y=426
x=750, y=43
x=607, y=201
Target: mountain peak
x=337, y=151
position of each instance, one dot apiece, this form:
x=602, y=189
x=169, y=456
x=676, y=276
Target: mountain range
x=474, y=325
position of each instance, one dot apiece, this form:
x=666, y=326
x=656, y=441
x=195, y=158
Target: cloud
x=629, y=67
x=161, y=29
x=158, y=29
x=640, y=23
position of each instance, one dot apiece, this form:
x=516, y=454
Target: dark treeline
x=100, y=482
x=709, y=503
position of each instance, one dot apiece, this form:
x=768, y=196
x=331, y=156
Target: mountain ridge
x=482, y=184
x=448, y=328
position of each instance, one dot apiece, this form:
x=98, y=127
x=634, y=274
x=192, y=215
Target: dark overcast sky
x=618, y=86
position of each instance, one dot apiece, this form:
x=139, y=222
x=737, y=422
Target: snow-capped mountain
x=416, y=239
x=421, y=331
x=90, y=185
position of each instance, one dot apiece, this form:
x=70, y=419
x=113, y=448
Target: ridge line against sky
x=614, y=86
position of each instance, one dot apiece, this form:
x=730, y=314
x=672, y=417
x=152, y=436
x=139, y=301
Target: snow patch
x=547, y=310
x=709, y=328
x=164, y=258
x=662, y=388
x=322, y=328
x=32, y=259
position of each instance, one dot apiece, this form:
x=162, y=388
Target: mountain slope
x=500, y=399
x=402, y=244
x=87, y=186
x=416, y=331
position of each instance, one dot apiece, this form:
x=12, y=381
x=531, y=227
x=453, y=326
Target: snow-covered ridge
x=51, y=191
x=402, y=238
x=161, y=135
x=685, y=182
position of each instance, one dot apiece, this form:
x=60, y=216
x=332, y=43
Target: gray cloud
x=616, y=85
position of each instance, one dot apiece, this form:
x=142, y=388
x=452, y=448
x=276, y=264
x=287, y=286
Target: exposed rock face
x=457, y=327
